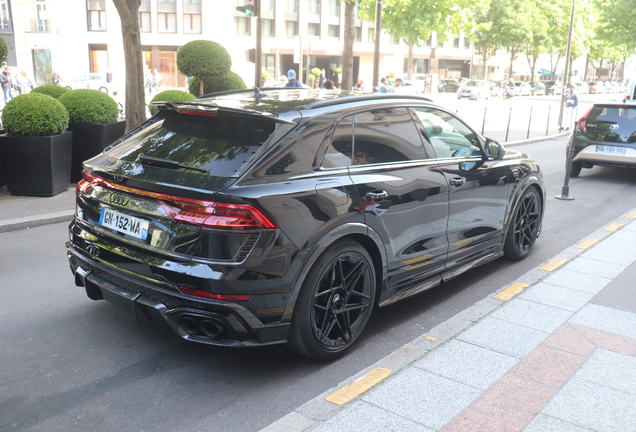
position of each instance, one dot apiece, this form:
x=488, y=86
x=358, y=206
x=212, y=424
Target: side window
x=448, y=135
x=338, y=152
x=386, y=135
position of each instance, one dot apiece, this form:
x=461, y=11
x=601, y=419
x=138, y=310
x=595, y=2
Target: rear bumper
x=205, y=321
x=586, y=153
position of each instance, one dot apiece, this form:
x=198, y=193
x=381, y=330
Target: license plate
x=124, y=223
x=610, y=149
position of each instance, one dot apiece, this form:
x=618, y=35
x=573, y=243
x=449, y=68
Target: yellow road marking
x=612, y=227
x=431, y=338
x=355, y=389
x=511, y=291
x=554, y=264
x=586, y=244
x=632, y=215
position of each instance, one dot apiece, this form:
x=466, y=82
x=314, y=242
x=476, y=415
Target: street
x=73, y=364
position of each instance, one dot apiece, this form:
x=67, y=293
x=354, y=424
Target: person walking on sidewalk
x=7, y=84
x=571, y=102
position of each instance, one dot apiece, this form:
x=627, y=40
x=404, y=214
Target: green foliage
x=312, y=78
x=338, y=70
x=171, y=96
x=89, y=106
x=265, y=74
x=4, y=51
x=316, y=72
x=52, y=90
x=392, y=74
x=231, y=81
x=34, y=114
x=202, y=58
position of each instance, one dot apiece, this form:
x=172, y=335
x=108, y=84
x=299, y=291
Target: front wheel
x=524, y=226
x=334, y=303
x=575, y=169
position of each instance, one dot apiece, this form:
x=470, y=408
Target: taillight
x=203, y=294
x=207, y=214
x=582, y=121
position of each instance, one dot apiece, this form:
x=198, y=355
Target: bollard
x=548, y=123
x=483, y=123
x=508, y=128
x=529, y=121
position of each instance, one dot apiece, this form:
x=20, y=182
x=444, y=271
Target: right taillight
x=582, y=122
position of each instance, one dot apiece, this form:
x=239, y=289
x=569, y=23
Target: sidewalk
x=553, y=351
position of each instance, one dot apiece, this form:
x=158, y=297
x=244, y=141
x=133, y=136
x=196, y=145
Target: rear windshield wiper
x=167, y=163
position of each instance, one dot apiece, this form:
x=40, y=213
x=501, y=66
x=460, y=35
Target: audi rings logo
x=92, y=249
x=614, y=126
x=119, y=199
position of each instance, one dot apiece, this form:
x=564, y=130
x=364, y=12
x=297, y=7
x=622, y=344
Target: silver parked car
x=474, y=89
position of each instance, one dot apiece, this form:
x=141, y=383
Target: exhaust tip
x=189, y=325
x=211, y=328
x=202, y=326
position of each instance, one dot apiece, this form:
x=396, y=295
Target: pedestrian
x=322, y=78
x=359, y=86
x=571, y=102
x=328, y=85
x=20, y=83
x=109, y=76
x=55, y=78
x=7, y=84
x=149, y=82
x=425, y=83
x=383, y=87
x=293, y=82
x=397, y=86
x=156, y=79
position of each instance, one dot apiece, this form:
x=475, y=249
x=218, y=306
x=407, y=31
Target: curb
x=36, y=221
x=536, y=139
x=313, y=413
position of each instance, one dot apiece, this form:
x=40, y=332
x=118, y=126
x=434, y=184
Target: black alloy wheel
x=335, y=303
x=524, y=226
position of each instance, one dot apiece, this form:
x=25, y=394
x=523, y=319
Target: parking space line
x=554, y=264
x=612, y=227
x=511, y=291
x=355, y=389
x=586, y=244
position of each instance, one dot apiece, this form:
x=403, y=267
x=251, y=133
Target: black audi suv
x=275, y=216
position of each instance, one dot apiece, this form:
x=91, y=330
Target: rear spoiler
x=211, y=109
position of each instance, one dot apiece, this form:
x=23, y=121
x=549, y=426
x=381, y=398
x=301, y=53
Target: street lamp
x=376, y=52
x=252, y=8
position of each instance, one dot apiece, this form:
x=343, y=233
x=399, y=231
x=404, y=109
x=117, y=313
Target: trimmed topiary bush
x=90, y=106
x=34, y=114
x=203, y=58
x=171, y=96
x=231, y=81
x=4, y=51
x=52, y=90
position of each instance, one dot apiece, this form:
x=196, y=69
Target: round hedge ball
x=231, y=81
x=90, y=106
x=203, y=58
x=52, y=90
x=171, y=96
x=34, y=114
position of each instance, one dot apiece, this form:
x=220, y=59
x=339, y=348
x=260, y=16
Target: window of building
x=334, y=31
x=313, y=30
x=98, y=58
x=268, y=63
x=371, y=35
x=192, y=16
x=357, y=36
x=41, y=20
x=334, y=8
x=292, y=5
x=314, y=7
x=268, y=4
x=419, y=65
x=429, y=41
x=96, y=14
x=466, y=42
x=166, y=16
x=269, y=27
x=144, y=17
x=242, y=26
x=395, y=40
x=5, y=19
x=291, y=29
x=456, y=43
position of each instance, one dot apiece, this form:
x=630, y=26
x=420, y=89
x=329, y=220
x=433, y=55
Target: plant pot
x=36, y=166
x=90, y=140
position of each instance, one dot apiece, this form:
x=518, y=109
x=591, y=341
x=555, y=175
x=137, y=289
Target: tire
x=575, y=169
x=525, y=226
x=103, y=89
x=334, y=303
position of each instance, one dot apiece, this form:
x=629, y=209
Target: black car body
x=247, y=219
x=605, y=135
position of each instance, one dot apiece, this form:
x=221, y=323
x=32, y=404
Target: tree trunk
x=135, y=98
x=409, y=69
x=347, y=49
x=511, y=73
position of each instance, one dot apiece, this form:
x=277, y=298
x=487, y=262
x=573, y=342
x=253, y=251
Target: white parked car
x=94, y=81
x=522, y=88
x=474, y=89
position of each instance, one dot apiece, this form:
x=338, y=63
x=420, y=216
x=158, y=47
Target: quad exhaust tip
x=207, y=326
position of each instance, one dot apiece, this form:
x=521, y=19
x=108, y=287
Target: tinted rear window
x=220, y=145
x=612, y=124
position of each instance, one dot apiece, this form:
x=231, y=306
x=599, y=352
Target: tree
x=414, y=21
x=617, y=22
x=203, y=58
x=347, y=50
x=4, y=51
x=481, y=35
x=135, y=98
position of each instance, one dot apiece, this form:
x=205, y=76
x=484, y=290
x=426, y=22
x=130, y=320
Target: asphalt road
x=73, y=364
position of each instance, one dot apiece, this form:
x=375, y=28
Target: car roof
x=287, y=104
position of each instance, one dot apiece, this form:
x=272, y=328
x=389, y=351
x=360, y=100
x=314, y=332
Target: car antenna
x=258, y=94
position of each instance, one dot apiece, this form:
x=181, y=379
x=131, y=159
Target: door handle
x=376, y=196
x=457, y=181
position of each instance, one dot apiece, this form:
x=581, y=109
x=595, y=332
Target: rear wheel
x=575, y=169
x=524, y=226
x=335, y=302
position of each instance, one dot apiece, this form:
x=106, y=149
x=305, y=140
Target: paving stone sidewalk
x=552, y=351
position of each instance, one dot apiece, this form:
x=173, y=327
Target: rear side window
x=219, y=145
x=612, y=124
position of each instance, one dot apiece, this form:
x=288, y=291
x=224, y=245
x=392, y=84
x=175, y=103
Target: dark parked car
x=448, y=86
x=605, y=135
x=244, y=219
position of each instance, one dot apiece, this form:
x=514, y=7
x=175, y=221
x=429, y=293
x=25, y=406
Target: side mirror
x=494, y=150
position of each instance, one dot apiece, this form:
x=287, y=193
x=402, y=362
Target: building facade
x=74, y=37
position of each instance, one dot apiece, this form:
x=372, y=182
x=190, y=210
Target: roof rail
x=363, y=97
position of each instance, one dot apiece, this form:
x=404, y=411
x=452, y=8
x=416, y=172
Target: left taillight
x=582, y=122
